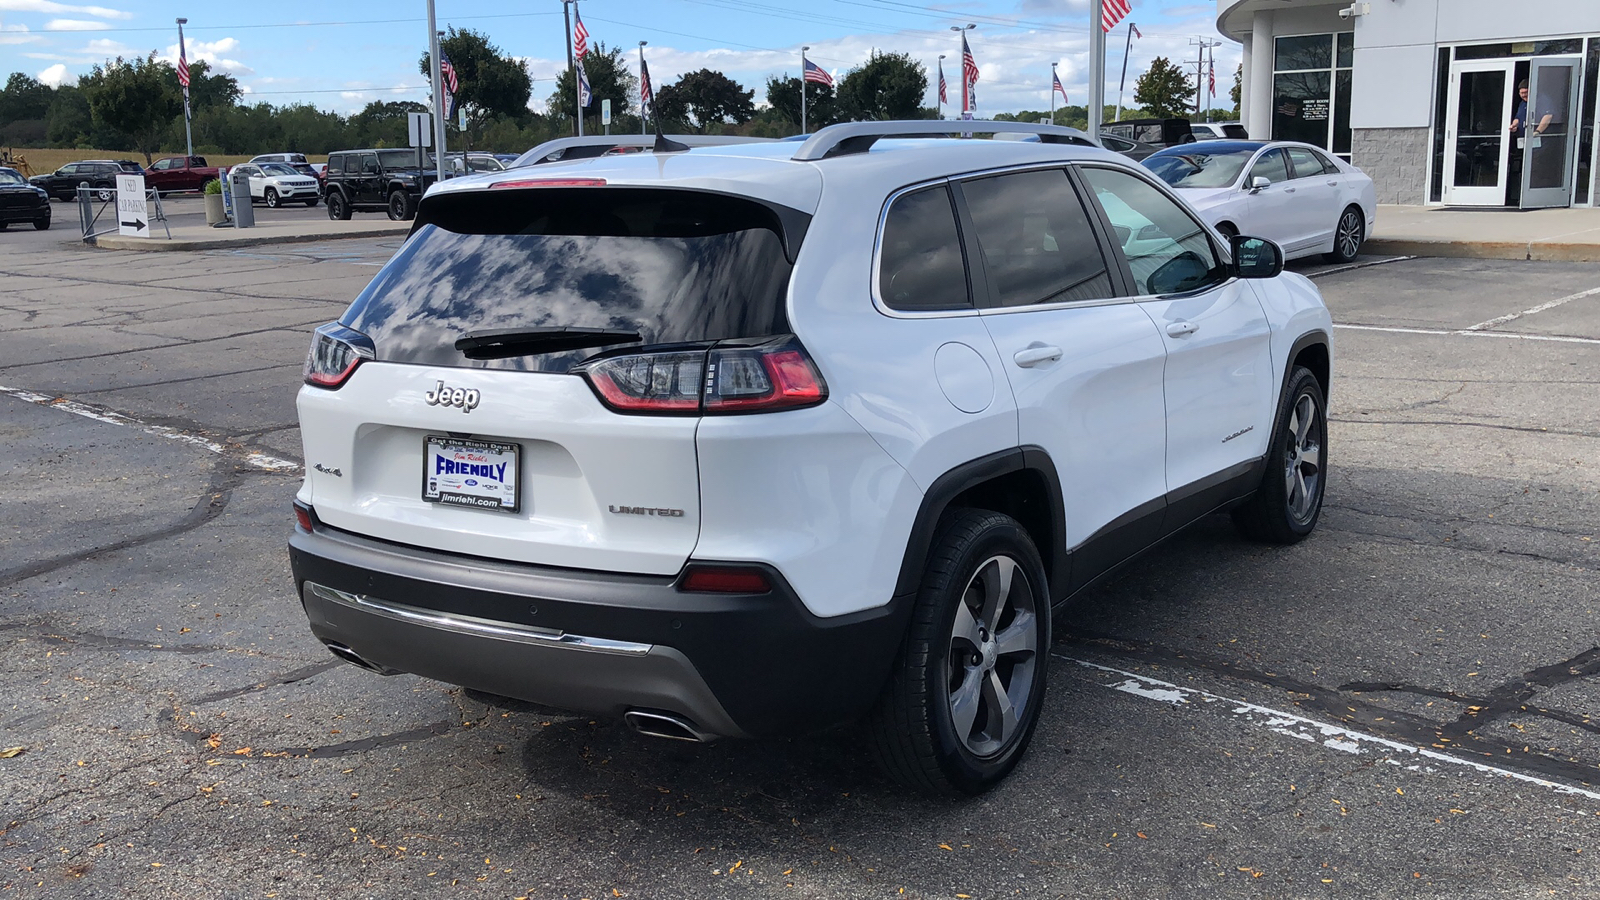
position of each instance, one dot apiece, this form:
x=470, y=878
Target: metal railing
x=89, y=216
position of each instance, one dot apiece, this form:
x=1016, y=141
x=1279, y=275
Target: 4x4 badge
x=443, y=396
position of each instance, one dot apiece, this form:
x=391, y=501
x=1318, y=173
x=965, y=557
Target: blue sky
x=341, y=57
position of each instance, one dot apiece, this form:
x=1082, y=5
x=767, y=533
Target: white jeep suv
x=763, y=439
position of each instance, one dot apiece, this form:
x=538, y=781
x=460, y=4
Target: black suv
x=100, y=174
x=372, y=180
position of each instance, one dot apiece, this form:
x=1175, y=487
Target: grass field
x=42, y=161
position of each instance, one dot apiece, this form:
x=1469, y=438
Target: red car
x=180, y=173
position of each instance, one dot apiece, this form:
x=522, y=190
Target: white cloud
x=17, y=34
x=73, y=25
x=211, y=52
x=49, y=6
x=57, y=75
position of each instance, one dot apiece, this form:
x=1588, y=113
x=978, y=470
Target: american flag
x=816, y=73
x=943, y=97
x=448, y=73
x=580, y=36
x=1112, y=12
x=647, y=97
x=1057, y=86
x=969, y=76
x=1135, y=29
x=1212, y=75
x=183, y=67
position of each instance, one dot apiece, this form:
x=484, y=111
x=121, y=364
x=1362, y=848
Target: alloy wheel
x=993, y=652
x=1303, y=459
x=1349, y=236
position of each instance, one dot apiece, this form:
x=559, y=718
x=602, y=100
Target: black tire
x=1228, y=230
x=400, y=206
x=42, y=224
x=270, y=196
x=1288, y=503
x=4, y=225
x=311, y=203
x=912, y=730
x=338, y=208
x=1348, y=236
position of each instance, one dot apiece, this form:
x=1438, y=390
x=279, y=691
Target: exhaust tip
x=666, y=725
x=355, y=659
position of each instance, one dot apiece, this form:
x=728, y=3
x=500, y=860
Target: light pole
x=183, y=60
x=938, y=97
x=1097, y=67
x=802, y=88
x=438, y=94
x=964, y=52
x=642, y=76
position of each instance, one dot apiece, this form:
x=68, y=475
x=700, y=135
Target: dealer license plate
x=481, y=474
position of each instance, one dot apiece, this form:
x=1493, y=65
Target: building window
x=1311, y=90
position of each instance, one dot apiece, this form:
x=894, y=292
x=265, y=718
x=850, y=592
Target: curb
x=1521, y=250
x=118, y=242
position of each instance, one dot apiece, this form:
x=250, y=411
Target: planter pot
x=214, y=211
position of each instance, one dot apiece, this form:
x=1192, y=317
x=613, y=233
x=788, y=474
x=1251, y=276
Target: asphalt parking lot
x=1400, y=706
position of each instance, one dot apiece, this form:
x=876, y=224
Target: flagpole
x=183, y=57
x=938, y=90
x=803, y=89
x=1123, y=83
x=566, y=16
x=1097, y=67
x=641, y=86
x=1053, y=77
x=438, y=92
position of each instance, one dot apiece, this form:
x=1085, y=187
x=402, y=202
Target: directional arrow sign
x=133, y=215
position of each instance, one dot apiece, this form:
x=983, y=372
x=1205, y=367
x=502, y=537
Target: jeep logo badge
x=443, y=396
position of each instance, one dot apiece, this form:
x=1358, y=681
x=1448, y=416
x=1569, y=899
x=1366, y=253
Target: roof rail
x=600, y=144
x=858, y=137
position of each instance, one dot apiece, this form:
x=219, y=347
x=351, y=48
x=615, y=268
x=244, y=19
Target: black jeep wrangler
x=372, y=180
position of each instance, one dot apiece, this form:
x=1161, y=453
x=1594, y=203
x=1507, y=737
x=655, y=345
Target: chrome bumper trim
x=470, y=625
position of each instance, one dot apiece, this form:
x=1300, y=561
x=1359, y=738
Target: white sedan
x=279, y=183
x=1294, y=194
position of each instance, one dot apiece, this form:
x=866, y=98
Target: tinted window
x=1035, y=238
x=1199, y=167
x=1329, y=167
x=7, y=176
x=335, y=164
x=1270, y=166
x=674, y=266
x=401, y=159
x=369, y=164
x=1168, y=251
x=921, y=265
x=1235, y=132
x=1304, y=161
x=161, y=165
x=69, y=169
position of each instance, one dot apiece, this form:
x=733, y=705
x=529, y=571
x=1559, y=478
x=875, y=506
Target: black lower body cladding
x=761, y=663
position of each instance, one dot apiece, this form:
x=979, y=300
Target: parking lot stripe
x=1334, y=737
x=253, y=458
x=1501, y=320
x=1464, y=333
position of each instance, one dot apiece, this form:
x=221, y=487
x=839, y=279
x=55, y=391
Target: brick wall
x=1397, y=161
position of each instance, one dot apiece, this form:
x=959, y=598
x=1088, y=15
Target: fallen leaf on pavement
x=9, y=752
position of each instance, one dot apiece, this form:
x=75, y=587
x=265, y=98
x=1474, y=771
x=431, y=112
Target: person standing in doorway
x=1519, y=134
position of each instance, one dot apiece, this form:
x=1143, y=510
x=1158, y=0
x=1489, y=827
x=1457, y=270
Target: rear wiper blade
x=504, y=343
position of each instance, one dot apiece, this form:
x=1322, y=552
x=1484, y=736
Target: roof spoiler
x=600, y=144
x=858, y=137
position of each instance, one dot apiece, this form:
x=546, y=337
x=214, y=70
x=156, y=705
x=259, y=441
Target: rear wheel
x=1348, y=236
x=965, y=693
x=338, y=207
x=271, y=196
x=399, y=205
x=1287, y=505
x=4, y=225
x=104, y=192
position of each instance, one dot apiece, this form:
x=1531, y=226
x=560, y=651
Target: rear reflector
x=303, y=517
x=549, y=182
x=699, y=579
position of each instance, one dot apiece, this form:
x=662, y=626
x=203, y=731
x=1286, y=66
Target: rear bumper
x=736, y=665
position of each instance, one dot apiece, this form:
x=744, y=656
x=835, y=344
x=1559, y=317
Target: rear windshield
x=1200, y=167
x=673, y=266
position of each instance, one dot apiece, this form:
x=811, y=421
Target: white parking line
x=1501, y=320
x=1464, y=333
x=1334, y=737
x=259, y=460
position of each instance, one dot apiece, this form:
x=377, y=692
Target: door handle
x=1181, y=328
x=1288, y=190
x=1333, y=184
x=1029, y=357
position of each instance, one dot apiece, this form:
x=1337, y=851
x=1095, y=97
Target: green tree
x=24, y=98
x=383, y=123
x=609, y=79
x=886, y=86
x=705, y=99
x=1164, y=89
x=1238, y=89
x=207, y=90
x=137, y=97
x=822, y=106
x=489, y=82
x=69, y=122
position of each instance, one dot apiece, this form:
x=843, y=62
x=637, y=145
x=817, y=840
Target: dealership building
x=1422, y=94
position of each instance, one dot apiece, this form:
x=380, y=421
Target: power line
x=70, y=31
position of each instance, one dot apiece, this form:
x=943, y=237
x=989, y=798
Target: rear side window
x=1035, y=238
x=921, y=266
x=1306, y=164
x=677, y=267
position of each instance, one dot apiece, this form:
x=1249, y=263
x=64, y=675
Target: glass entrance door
x=1477, y=133
x=1550, y=136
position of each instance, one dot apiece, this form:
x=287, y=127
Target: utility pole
x=1053, y=78
x=1201, y=45
x=438, y=92
x=1097, y=68
x=566, y=16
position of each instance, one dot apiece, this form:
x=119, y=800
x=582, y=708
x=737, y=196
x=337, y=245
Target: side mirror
x=1182, y=273
x=1255, y=257
x=1258, y=182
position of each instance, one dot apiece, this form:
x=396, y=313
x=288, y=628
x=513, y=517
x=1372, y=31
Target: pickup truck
x=179, y=173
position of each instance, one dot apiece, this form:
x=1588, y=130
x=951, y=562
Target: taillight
x=704, y=579
x=335, y=353
x=303, y=516
x=722, y=380
x=549, y=182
